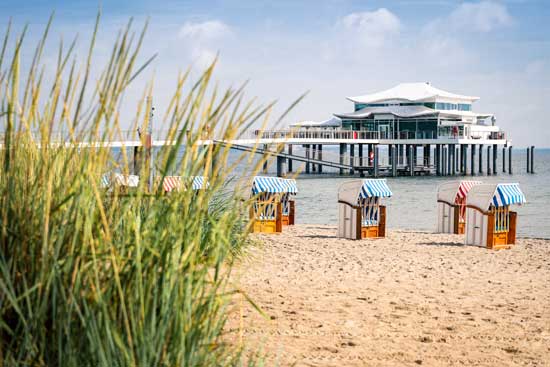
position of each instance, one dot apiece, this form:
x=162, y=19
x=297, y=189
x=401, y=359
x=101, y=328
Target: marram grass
x=89, y=277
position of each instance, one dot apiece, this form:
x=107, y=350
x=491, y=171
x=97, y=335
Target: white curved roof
x=331, y=122
x=412, y=92
x=399, y=111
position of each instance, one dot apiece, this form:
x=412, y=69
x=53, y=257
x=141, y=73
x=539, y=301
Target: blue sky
x=497, y=50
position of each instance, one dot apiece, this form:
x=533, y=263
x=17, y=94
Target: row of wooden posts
x=448, y=159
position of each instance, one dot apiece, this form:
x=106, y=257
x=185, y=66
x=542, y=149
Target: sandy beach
x=409, y=299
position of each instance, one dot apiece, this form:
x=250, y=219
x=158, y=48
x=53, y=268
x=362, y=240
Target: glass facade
x=408, y=128
x=436, y=105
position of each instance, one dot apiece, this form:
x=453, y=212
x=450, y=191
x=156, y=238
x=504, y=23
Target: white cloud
x=208, y=30
x=484, y=16
x=202, y=40
x=371, y=28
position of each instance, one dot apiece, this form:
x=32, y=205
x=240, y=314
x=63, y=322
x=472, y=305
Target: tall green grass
x=89, y=277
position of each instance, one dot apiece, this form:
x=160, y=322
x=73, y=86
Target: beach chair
x=489, y=221
x=176, y=183
x=272, y=206
x=361, y=214
x=122, y=183
x=451, y=206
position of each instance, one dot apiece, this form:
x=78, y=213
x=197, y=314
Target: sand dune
x=409, y=299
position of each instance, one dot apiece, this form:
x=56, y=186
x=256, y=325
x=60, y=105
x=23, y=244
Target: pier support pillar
x=360, y=146
x=343, y=148
x=394, y=160
x=320, y=157
x=510, y=159
x=453, y=159
x=504, y=159
x=532, y=159
x=411, y=159
x=376, y=160
x=313, y=155
x=308, y=157
x=480, y=159
x=266, y=159
x=495, y=150
x=472, y=159
x=465, y=160
x=289, y=163
x=281, y=166
x=488, y=160
x=438, y=159
x=444, y=161
x=352, y=158
x=461, y=156
x=400, y=153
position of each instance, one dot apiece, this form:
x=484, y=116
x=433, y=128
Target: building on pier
x=413, y=111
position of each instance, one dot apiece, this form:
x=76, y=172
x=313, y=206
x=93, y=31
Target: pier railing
x=314, y=134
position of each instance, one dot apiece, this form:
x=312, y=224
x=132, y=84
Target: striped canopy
x=273, y=185
x=375, y=188
x=507, y=194
x=200, y=183
x=171, y=183
x=464, y=187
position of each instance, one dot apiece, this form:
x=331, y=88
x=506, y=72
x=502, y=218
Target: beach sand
x=409, y=299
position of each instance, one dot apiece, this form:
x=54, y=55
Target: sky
x=497, y=50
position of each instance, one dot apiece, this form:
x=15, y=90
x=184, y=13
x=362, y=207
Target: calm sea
x=413, y=204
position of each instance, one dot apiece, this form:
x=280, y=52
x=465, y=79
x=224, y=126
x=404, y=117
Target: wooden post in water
x=266, y=157
x=313, y=155
x=528, y=160
x=361, y=157
x=532, y=159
